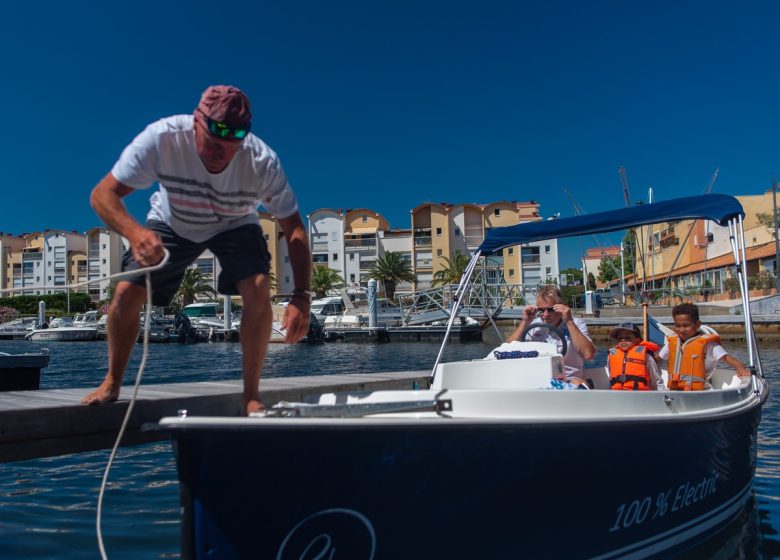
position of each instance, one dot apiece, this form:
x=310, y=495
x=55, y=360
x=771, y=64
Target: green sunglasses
x=221, y=130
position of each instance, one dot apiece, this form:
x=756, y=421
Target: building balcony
x=360, y=244
x=320, y=246
x=531, y=261
x=473, y=240
x=423, y=241
x=669, y=240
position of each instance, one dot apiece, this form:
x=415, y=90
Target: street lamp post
x=777, y=241
x=622, y=276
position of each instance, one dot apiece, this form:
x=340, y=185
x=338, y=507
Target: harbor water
x=47, y=506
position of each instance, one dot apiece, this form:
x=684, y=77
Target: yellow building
x=696, y=255
x=442, y=230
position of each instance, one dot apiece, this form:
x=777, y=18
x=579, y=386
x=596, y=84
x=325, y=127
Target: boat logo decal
x=328, y=535
x=515, y=354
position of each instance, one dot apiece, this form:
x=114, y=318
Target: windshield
x=210, y=311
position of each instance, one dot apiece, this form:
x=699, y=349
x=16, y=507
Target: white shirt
x=572, y=361
x=195, y=203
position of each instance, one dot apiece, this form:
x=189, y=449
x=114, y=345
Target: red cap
x=226, y=104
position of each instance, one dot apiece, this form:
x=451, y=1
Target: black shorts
x=242, y=253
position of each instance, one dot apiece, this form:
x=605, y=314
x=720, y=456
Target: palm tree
x=453, y=272
x=390, y=270
x=193, y=284
x=324, y=279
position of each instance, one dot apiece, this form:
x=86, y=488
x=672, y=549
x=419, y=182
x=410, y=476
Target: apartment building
x=104, y=258
x=10, y=245
x=280, y=256
x=441, y=230
x=326, y=238
x=592, y=261
x=51, y=258
x=362, y=229
x=698, y=252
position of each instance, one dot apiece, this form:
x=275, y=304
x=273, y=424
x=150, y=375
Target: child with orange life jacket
x=632, y=366
x=693, y=354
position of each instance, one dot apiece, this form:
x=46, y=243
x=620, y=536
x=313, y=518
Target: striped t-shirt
x=195, y=203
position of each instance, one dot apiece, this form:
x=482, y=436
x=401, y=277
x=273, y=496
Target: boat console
x=514, y=365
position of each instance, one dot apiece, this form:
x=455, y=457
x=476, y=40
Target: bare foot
x=254, y=406
x=101, y=395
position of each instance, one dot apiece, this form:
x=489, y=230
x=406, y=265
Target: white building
x=326, y=236
x=104, y=258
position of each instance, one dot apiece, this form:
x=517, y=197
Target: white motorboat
x=18, y=328
x=488, y=461
x=87, y=319
x=62, y=330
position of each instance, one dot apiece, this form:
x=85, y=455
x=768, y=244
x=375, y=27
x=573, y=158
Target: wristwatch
x=306, y=294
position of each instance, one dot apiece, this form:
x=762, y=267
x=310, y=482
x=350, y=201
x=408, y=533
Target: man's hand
x=296, y=320
x=529, y=313
x=147, y=247
x=564, y=310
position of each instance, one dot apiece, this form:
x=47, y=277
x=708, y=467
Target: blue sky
x=387, y=105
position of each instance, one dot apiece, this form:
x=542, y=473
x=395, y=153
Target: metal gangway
x=485, y=302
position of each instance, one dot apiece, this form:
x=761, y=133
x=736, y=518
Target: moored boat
x=63, y=330
x=490, y=460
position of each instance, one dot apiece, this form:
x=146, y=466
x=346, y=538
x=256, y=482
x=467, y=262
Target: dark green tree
x=192, y=285
x=391, y=269
x=324, y=279
x=452, y=271
x=609, y=269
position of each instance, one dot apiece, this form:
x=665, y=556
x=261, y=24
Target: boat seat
x=597, y=377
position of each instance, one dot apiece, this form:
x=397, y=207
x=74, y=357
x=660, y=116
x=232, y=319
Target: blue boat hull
x=455, y=490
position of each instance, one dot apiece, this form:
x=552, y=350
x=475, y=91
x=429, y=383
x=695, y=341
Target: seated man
x=550, y=309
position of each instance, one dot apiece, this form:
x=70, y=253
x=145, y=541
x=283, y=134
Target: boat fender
x=515, y=354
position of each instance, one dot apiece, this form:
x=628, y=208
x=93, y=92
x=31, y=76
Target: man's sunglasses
x=221, y=130
x=543, y=309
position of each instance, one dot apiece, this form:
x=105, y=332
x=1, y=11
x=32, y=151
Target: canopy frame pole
x=463, y=287
x=737, y=240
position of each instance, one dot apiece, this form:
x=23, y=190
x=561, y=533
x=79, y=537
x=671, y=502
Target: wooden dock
x=54, y=422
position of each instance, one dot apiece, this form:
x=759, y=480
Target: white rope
x=131, y=404
x=139, y=375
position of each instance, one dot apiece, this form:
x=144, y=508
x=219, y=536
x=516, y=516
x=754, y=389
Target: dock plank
x=53, y=422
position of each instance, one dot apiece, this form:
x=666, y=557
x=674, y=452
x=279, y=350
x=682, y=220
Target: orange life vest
x=628, y=370
x=686, y=362
x=652, y=347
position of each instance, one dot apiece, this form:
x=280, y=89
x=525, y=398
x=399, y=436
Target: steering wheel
x=553, y=331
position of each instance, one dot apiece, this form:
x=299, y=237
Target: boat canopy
x=716, y=207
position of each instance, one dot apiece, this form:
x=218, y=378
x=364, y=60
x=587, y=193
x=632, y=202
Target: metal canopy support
x=463, y=287
x=737, y=240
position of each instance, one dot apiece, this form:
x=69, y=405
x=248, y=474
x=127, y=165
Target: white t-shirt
x=713, y=352
x=195, y=203
x=572, y=361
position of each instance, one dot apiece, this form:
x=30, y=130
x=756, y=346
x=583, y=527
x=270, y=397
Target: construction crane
x=624, y=182
x=707, y=190
x=579, y=212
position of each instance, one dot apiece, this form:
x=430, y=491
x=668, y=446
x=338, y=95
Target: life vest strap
x=623, y=378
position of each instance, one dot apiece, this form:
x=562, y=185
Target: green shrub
x=28, y=305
